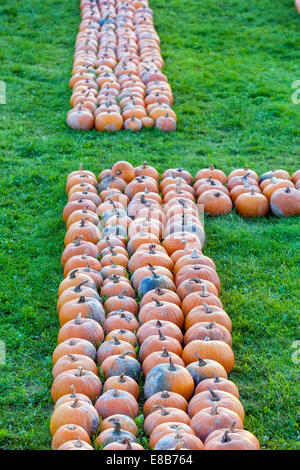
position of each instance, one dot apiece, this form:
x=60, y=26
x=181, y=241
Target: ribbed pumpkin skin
x=218, y=383
x=126, y=423
x=160, y=357
x=188, y=441
x=109, y=435
x=205, y=369
x=74, y=346
x=212, y=313
x=71, y=361
x=69, y=432
x=83, y=414
x=87, y=383
x=117, y=401
x=215, y=350
x=240, y=439
x=166, y=415
x=207, y=421
x=152, y=326
x=161, y=377
x=166, y=428
x=112, y=348
x=75, y=445
x=165, y=399
x=115, y=365
x=224, y=399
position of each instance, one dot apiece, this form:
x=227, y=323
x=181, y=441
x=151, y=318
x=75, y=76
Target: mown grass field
x=231, y=68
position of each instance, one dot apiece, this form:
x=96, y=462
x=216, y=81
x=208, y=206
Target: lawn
x=231, y=68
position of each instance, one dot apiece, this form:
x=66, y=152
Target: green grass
x=231, y=68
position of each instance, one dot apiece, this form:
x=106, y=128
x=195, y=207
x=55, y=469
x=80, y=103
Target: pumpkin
x=140, y=259
x=145, y=169
x=179, y=440
x=73, y=361
x=217, y=383
x=212, y=172
x=113, y=269
x=215, y=202
x=125, y=444
x=207, y=313
x=74, y=278
x=86, y=306
x=200, y=271
x=75, y=412
x=109, y=241
x=114, y=285
x=113, y=347
x=123, y=382
x=80, y=118
x=84, y=381
x=123, y=170
x=126, y=423
x=78, y=247
x=108, y=121
x=209, y=349
x=158, y=310
x=242, y=172
x=231, y=439
x=169, y=377
x=165, y=399
x=75, y=444
x=285, y=202
x=120, y=319
x=195, y=257
x=160, y=357
x=121, y=301
x=164, y=415
x=195, y=299
x=74, y=293
x=121, y=364
x=69, y=432
x=73, y=206
x=122, y=335
x=78, y=215
x=74, y=346
x=165, y=123
x=117, y=401
x=164, y=295
x=156, y=343
x=241, y=189
x=149, y=283
x=222, y=399
x=211, y=330
x=201, y=370
x=238, y=180
x=71, y=397
x=282, y=174
x=84, y=328
x=152, y=327
x=176, y=241
x=194, y=284
x=210, y=419
x=114, y=434
x=114, y=257
x=87, y=230
x=167, y=428
x=139, y=184
x=296, y=176
x=276, y=184
x=141, y=238
x=252, y=205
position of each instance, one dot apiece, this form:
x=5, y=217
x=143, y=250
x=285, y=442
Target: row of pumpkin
x=190, y=403
x=116, y=78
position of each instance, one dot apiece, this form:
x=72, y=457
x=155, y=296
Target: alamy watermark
x=296, y=353
x=2, y=353
x=2, y=92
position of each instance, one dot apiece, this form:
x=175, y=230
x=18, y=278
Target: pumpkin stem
x=226, y=437
x=116, y=392
x=117, y=427
x=78, y=319
x=165, y=394
x=82, y=221
x=121, y=295
x=128, y=444
x=164, y=411
x=81, y=299
x=161, y=336
x=214, y=409
x=78, y=442
x=121, y=378
x=203, y=291
x=144, y=164
x=73, y=394
x=75, y=403
x=159, y=291
x=77, y=240
x=72, y=357
x=165, y=352
x=194, y=254
x=158, y=302
x=200, y=361
x=207, y=308
x=78, y=287
x=116, y=340
x=172, y=366
x=125, y=353
x=79, y=372
x=211, y=167
x=287, y=190
x=73, y=274
x=214, y=396
x=216, y=380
